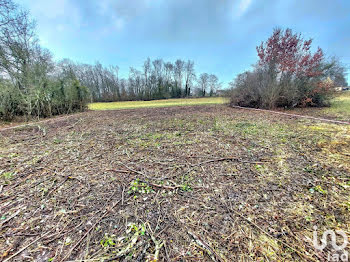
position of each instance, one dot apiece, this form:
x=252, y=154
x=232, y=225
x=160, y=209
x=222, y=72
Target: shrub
x=10, y=101
x=286, y=75
x=54, y=97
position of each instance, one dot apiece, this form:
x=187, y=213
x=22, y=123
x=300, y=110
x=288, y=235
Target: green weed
x=107, y=241
x=140, y=187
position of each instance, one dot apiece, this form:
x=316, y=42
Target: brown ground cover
x=201, y=183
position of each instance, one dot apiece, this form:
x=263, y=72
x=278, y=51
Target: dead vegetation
x=205, y=183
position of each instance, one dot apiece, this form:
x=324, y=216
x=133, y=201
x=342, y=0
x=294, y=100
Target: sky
x=220, y=36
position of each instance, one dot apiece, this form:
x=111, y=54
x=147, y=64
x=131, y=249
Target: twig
x=58, y=186
x=9, y=218
x=152, y=184
x=25, y=247
x=129, y=170
x=123, y=195
x=127, y=249
x=205, y=246
x=166, y=252
x=166, y=187
x=133, y=170
x=89, y=230
x=72, y=126
x=158, y=245
x=215, y=160
x=268, y=234
x=227, y=159
x=119, y=171
x=160, y=232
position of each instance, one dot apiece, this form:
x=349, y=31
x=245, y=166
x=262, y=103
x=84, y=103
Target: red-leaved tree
x=290, y=53
x=288, y=74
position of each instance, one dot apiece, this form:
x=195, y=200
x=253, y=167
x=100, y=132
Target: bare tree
x=169, y=68
x=9, y=13
x=147, y=73
x=178, y=77
x=203, y=83
x=189, y=76
x=336, y=71
x=17, y=42
x=33, y=84
x=158, y=78
x=214, y=84
x=136, y=84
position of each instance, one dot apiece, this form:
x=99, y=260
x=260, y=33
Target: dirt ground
x=201, y=183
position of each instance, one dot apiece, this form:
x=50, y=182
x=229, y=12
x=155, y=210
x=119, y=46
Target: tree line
x=32, y=84
x=288, y=74
x=155, y=80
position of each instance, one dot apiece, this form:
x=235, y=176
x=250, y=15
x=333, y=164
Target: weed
x=244, y=125
x=12, y=155
x=308, y=169
x=216, y=126
x=186, y=187
x=318, y=189
x=6, y=177
x=308, y=218
x=57, y=141
x=107, y=241
x=258, y=167
x=140, y=187
x=134, y=228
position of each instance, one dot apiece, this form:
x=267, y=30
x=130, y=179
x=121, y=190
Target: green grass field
x=340, y=105
x=158, y=103
x=339, y=108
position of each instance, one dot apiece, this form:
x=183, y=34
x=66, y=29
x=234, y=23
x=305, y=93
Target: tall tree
x=213, y=84
x=169, y=69
x=203, y=83
x=17, y=43
x=178, y=76
x=189, y=76
x=288, y=52
x=287, y=74
x=159, y=78
x=336, y=71
x=147, y=75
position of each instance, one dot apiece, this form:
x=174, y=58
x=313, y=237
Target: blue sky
x=219, y=35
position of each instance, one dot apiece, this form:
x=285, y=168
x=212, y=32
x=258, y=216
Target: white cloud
x=119, y=13
x=242, y=7
x=57, y=10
